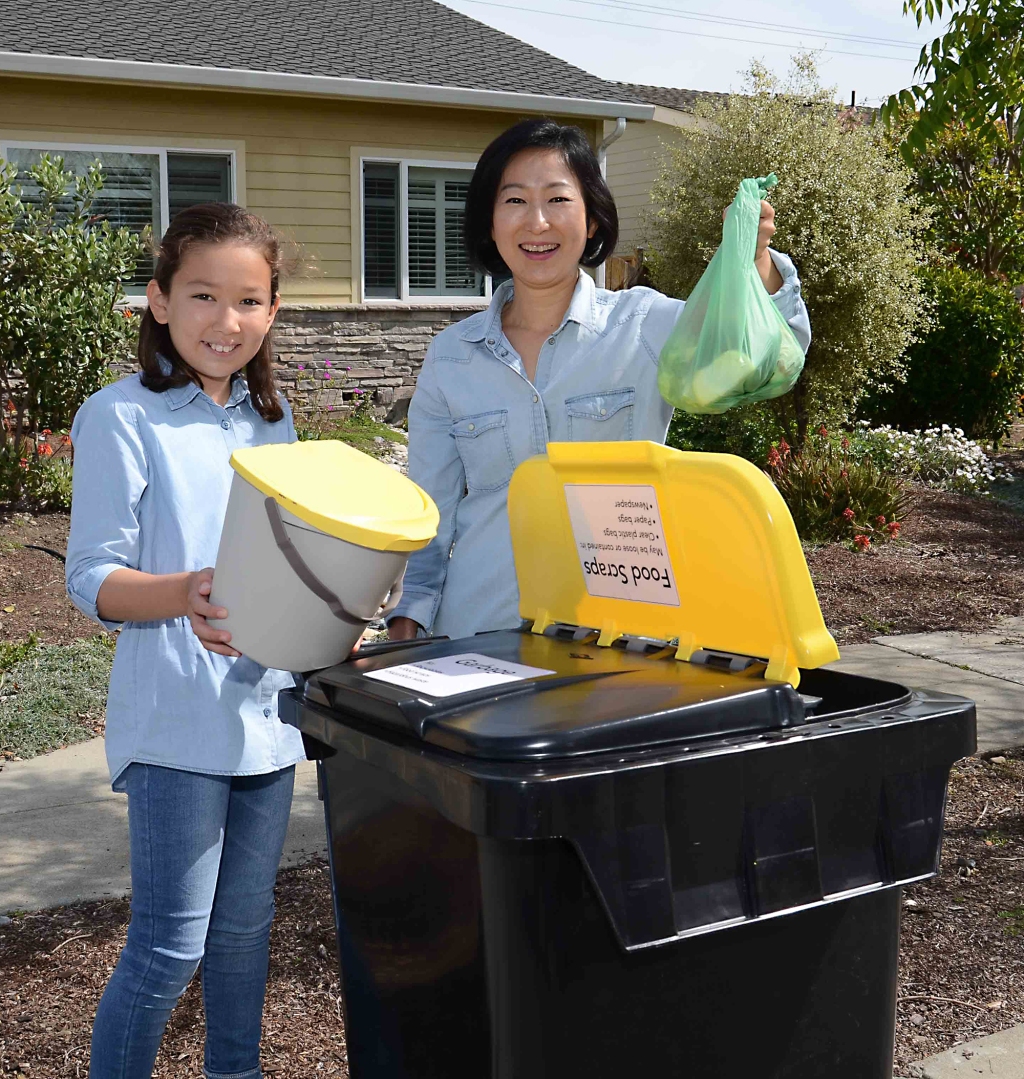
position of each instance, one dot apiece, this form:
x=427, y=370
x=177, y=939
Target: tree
x=973, y=73
x=845, y=213
x=962, y=129
x=966, y=176
x=62, y=314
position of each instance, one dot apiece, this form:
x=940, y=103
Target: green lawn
x=51, y=694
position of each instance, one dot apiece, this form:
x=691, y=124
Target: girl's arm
x=128, y=595
x=110, y=480
x=434, y=464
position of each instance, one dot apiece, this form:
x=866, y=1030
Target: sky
x=867, y=46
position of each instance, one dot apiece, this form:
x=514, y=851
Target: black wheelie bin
x=644, y=833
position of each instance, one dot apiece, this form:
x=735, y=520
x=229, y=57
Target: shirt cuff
x=419, y=606
x=87, y=588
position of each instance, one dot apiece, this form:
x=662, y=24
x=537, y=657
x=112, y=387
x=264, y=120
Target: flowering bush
x=942, y=457
x=834, y=495
x=37, y=471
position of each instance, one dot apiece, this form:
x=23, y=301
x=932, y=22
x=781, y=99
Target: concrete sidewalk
x=999, y=1056
x=63, y=832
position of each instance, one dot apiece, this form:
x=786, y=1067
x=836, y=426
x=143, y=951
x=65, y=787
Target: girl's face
x=218, y=310
x=540, y=222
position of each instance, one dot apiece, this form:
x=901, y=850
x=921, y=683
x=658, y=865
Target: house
x=351, y=125
x=635, y=160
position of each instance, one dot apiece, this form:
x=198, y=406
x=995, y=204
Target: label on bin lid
x=342, y=492
x=620, y=541
x=451, y=675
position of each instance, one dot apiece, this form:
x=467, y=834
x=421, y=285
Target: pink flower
x=327, y=374
x=330, y=408
x=862, y=543
x=893, y=528
x=774, y=458
x=879, y=520
x=848, y=513
x=327, y=363
x=302, y=367
x=823, y=431
x=357, y=391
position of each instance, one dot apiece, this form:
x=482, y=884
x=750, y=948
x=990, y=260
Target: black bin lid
x=582, y=700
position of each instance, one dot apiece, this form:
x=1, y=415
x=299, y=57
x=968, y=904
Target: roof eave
x=187, y=75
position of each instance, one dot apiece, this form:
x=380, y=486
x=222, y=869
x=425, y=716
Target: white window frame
x=404, y=164
x=51, y=147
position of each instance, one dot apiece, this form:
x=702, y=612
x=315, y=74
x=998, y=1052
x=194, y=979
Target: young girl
x=192, y=730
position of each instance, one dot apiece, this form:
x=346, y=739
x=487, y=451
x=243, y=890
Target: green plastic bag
x=731, y=344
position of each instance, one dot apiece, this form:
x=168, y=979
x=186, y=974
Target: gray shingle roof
x=669, y=97
x=412, y=41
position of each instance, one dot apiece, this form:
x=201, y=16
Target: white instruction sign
x=621, y=542
x=450, y=675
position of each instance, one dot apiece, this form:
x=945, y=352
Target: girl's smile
x=218, y=311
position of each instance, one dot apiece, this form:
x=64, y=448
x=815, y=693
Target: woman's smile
x=539, y=252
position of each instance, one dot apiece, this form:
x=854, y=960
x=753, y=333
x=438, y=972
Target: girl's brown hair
x=209, y=223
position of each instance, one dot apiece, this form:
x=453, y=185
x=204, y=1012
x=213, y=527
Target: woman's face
x=540, y=222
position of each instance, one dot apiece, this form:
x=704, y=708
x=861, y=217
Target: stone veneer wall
x=369, y=351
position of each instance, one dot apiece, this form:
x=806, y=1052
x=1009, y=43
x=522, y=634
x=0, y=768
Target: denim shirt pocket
x=485, y=449
x=601, y=417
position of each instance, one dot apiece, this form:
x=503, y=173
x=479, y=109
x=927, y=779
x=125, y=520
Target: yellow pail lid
x=342, y=492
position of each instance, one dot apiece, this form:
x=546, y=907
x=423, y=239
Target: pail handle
x=303, y=572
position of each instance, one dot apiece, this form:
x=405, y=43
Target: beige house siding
x=294, y=154
x=633, y=165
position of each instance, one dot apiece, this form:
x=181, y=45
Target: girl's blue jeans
x=204, y=856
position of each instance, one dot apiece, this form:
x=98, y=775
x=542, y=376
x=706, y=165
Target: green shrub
x=50, y=695
x=62, y=319
x=749, y=431
x=968, y=371
x=834, y=495
x=35, y=474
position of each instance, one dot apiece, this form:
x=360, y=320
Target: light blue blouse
x=151, y=486
x=475, y=416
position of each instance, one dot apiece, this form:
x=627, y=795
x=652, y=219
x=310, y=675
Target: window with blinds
x=435, y=201
x=133, y=186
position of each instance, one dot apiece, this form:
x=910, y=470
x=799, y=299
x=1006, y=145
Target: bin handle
x=304, y=573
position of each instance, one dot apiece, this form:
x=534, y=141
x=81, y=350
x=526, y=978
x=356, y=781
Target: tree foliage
x=972, y=73
x=62, y=318
x=845, y=214
x=966, y=176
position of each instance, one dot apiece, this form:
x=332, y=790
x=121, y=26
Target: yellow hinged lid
x=342, y=492
x=636, y=539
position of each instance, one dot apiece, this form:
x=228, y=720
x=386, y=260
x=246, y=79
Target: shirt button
x=490, y=340
x=471, y=427
x=226, y=424
x=266, y=712
x=551, y=340
x=535, y=398
x=604, y=412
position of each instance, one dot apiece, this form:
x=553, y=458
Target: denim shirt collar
x=179, y=396
x=582, y=309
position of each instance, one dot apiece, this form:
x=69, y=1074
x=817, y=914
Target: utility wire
x=728, y=20
x=687, y=33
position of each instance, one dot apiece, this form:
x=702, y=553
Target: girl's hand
x=402, y=629
x=199, y=609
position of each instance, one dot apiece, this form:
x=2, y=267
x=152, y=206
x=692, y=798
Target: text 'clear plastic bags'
x=731, y=344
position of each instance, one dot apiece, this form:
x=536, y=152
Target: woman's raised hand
x=199, y=610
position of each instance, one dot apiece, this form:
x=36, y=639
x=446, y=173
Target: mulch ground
x=54, y=965
x=32, y=598
x=961, y=964
x=959, y=565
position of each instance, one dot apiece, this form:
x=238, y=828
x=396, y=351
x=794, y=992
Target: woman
x=553, y=359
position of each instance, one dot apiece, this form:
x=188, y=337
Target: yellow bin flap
x=342, y=492
x=637, y=539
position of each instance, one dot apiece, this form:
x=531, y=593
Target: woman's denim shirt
x=152, y=477
x=475, y=416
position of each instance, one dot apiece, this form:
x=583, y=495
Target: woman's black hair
x=544, y=134
x=209, y=223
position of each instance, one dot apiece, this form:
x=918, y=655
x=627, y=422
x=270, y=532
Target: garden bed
x=961, y=966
